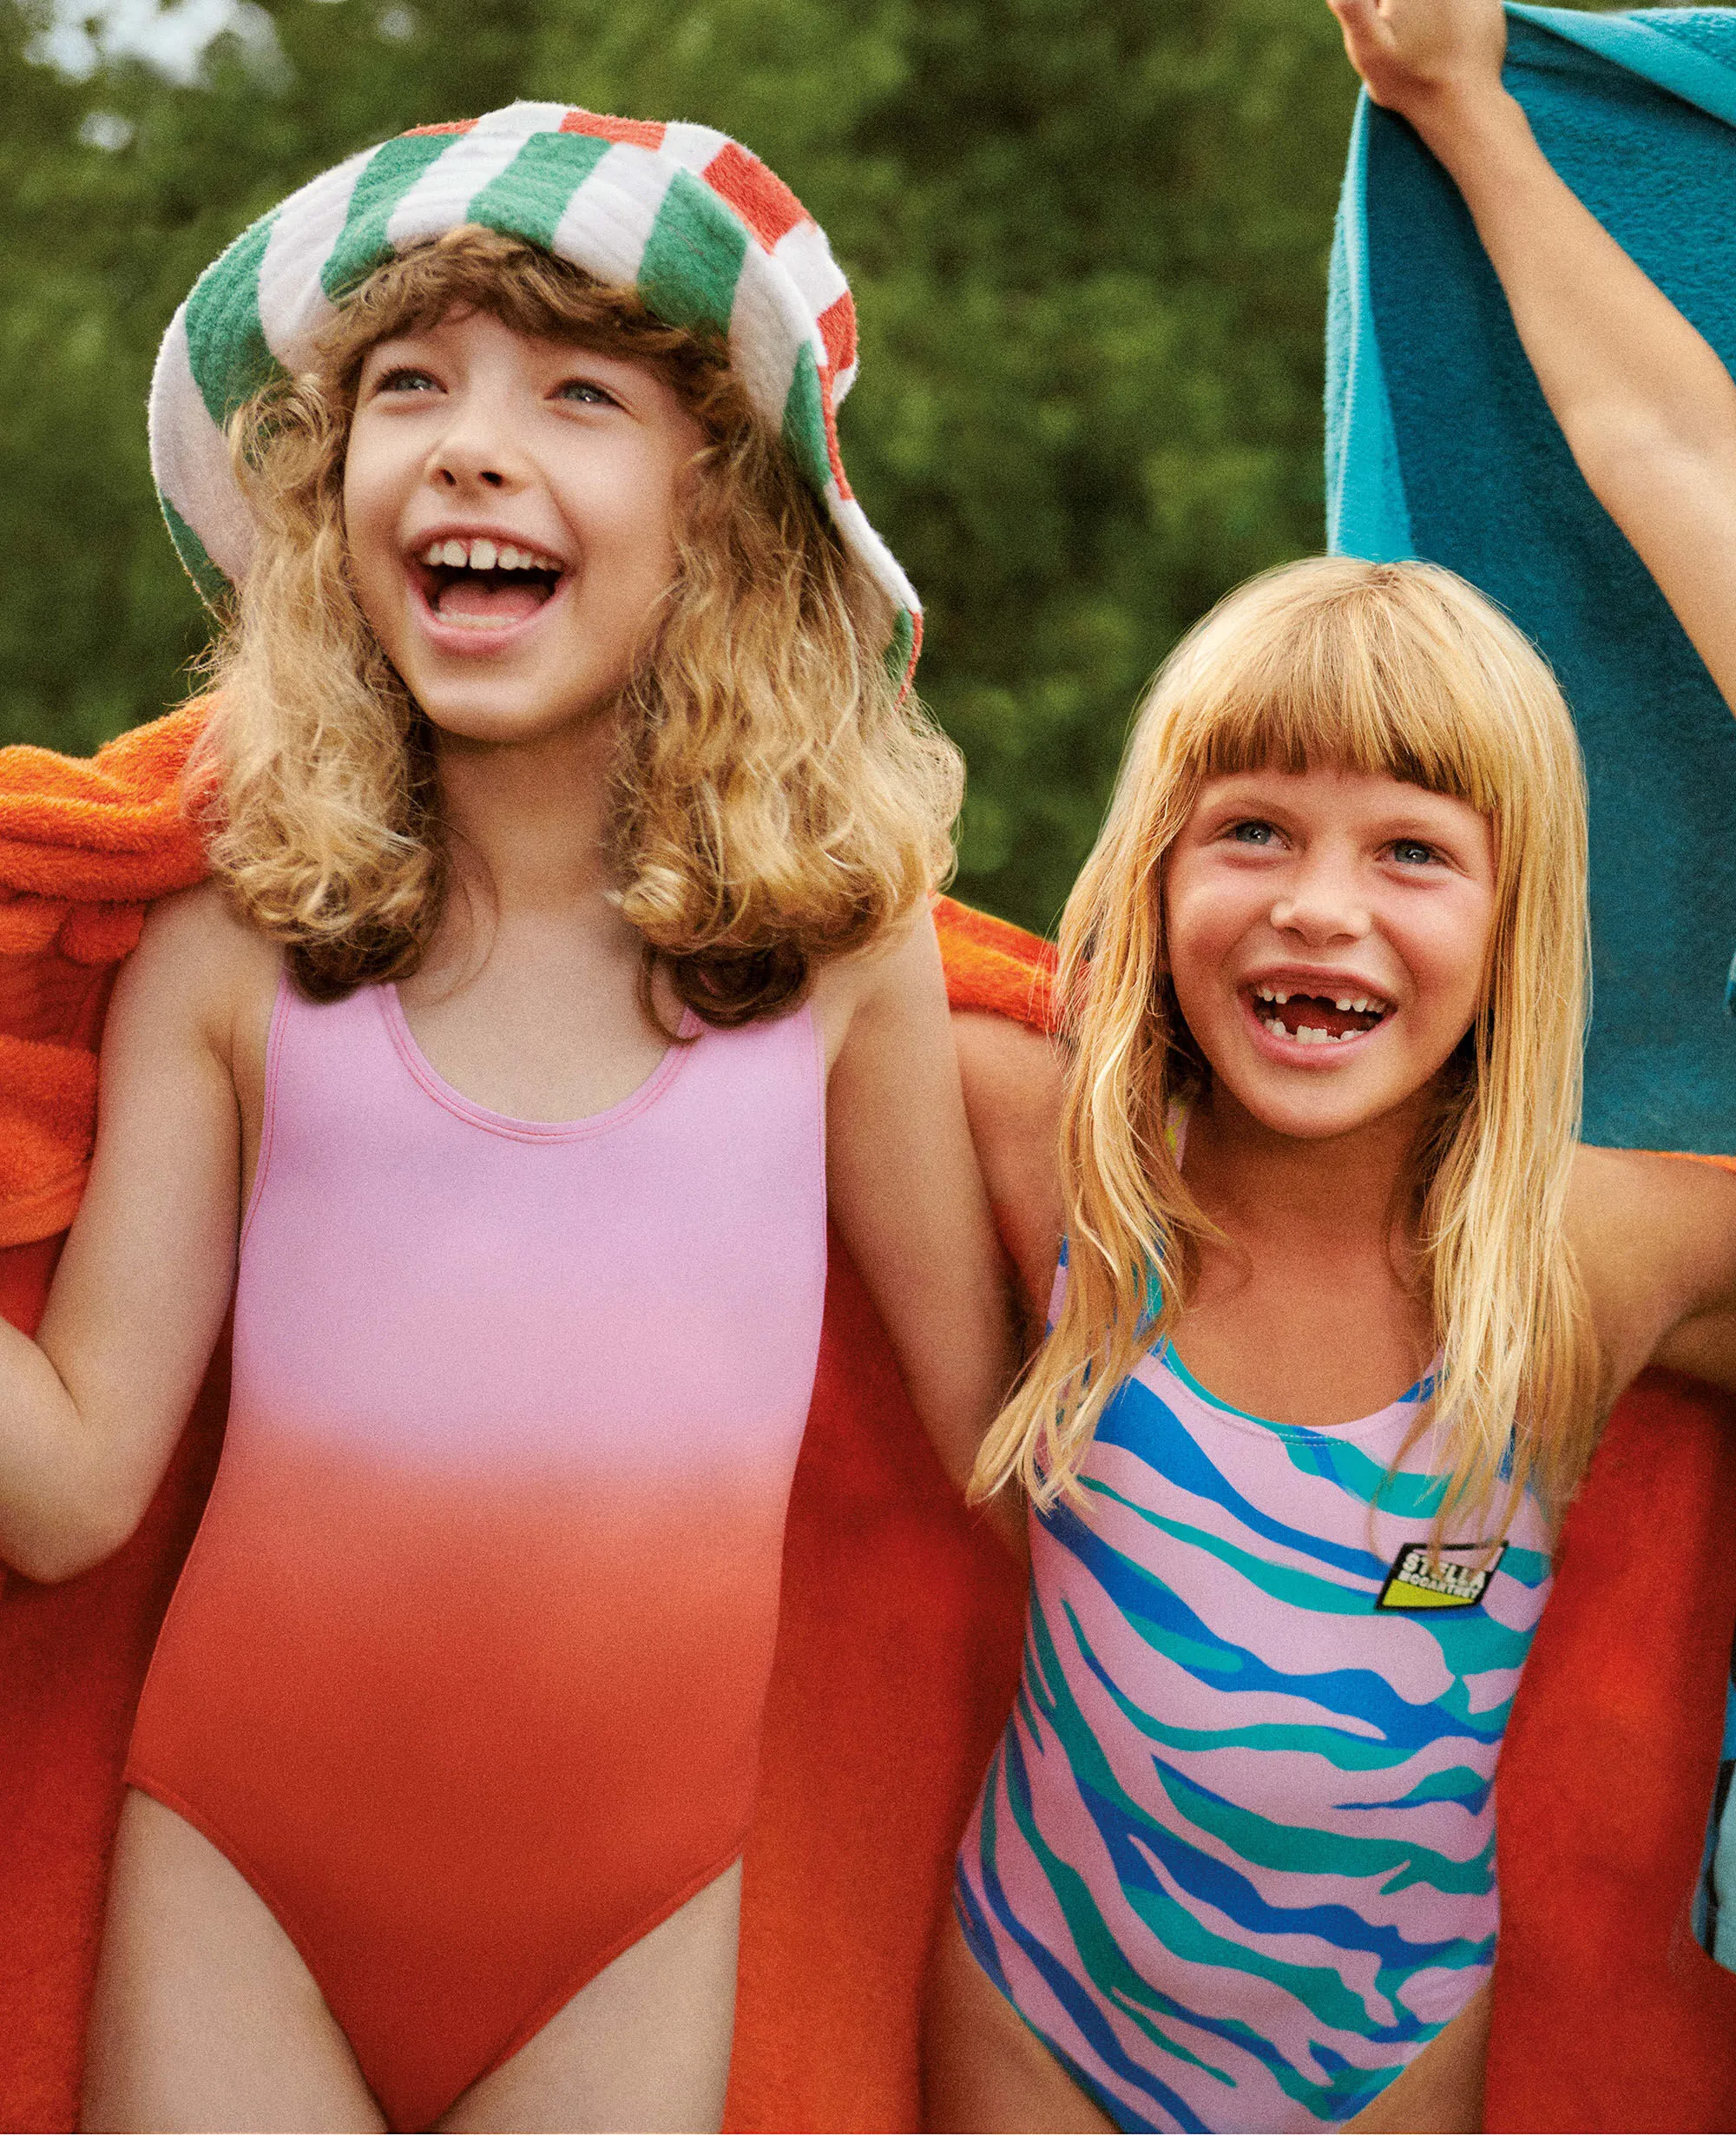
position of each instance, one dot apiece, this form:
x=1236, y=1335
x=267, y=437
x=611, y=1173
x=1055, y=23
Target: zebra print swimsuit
x=1234, y=1858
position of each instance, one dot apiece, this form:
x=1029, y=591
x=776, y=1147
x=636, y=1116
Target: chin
x=1313, y=1123
x=1319, y=1113
x=507, y=726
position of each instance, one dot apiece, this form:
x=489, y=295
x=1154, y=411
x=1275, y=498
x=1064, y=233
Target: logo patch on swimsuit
x=1414, y=1583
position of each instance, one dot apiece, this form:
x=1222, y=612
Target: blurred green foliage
x=1088, y=239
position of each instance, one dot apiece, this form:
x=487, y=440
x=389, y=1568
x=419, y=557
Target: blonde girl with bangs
x=566, y=958
x=1323, y=987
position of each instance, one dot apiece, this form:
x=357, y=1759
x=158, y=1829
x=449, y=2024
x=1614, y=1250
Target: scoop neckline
x=454, y=1100
x=1166, y=1354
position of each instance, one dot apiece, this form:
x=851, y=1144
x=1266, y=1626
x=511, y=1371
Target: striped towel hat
x=708, y=236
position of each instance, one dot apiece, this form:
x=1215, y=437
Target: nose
x=1322, y=901
x=475, y=449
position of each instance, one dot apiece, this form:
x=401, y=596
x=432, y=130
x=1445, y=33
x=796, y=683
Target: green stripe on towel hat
x=709, y=237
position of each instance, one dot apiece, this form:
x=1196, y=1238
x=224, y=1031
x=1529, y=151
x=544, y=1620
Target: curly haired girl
x=566, y=954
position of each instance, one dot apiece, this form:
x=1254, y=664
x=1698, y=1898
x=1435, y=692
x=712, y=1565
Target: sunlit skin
x=1335, y=884
x=468, y=429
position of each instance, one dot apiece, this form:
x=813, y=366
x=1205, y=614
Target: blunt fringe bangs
x=1394, y=669
x=777, y=796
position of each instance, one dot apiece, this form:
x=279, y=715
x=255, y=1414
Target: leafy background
x=1088, y=239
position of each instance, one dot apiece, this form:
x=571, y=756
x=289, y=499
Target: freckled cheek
x=368, y=579
x=653, y=533
x=1205, y=922
x=1446, y=968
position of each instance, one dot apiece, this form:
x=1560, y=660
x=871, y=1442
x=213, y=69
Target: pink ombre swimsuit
x=466, y=1668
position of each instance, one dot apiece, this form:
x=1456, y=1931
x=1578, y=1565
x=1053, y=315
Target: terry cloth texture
x=898, y=1645
x=1440, y=445
x=706, y=233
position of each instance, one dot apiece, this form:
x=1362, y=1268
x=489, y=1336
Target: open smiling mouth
x=1317, y=1019
x=485, y=584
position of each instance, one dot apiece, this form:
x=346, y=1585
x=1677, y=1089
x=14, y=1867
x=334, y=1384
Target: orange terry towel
x=85, y=845
x=898, y=1646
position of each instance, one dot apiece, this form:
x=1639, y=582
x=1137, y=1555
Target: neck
x=529, y=819
x=1344, y=1198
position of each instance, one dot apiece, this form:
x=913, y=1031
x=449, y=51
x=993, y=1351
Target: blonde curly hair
x=778, y=795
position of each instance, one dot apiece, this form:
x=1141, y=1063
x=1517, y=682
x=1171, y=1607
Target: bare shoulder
x=891, y=992
x=1012, y=1074
x=896, y=976
x=1655, y=1241
x=198, y=972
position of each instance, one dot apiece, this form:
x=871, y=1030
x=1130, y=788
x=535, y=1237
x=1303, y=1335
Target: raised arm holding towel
x=1645, y=404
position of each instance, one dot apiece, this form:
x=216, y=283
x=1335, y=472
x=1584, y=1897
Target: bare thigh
x=984, y=2069
x=205, y=2016
x=645, y=2044
x=1440, y=2091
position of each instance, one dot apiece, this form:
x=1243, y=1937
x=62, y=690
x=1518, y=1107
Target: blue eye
x=406, y=379
x=1254, y=833
x=1412, y=852
x=586, y=392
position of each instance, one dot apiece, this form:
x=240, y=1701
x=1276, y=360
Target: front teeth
x=1359, y=1003
x=484, y=554
x=1308, y=1034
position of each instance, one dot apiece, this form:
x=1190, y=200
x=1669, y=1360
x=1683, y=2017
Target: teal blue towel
x=1439, y=445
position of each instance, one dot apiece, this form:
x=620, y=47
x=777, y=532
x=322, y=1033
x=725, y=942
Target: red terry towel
x=898, y=1646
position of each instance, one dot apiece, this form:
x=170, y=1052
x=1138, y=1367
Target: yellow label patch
x=1421, y=1578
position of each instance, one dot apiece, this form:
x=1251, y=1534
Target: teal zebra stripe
x=1235, y=1858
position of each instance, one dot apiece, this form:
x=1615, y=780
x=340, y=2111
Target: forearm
x=1618, y=364
x=62, y=1506
x=1645, y=403
x=957, y=1352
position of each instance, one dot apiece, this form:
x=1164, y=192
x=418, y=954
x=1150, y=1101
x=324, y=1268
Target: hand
x=1418, y=56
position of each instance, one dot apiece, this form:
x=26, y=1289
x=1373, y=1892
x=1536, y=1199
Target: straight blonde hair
x=778, y=795
x=1394, y=669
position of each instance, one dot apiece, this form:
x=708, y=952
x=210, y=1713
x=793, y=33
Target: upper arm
x=1656, y=1237
x=1676, y=504
x=907, y=1195
x=145, y=1280
x=1012, y=1098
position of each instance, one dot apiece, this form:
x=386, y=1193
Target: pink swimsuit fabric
x=466, y=1669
